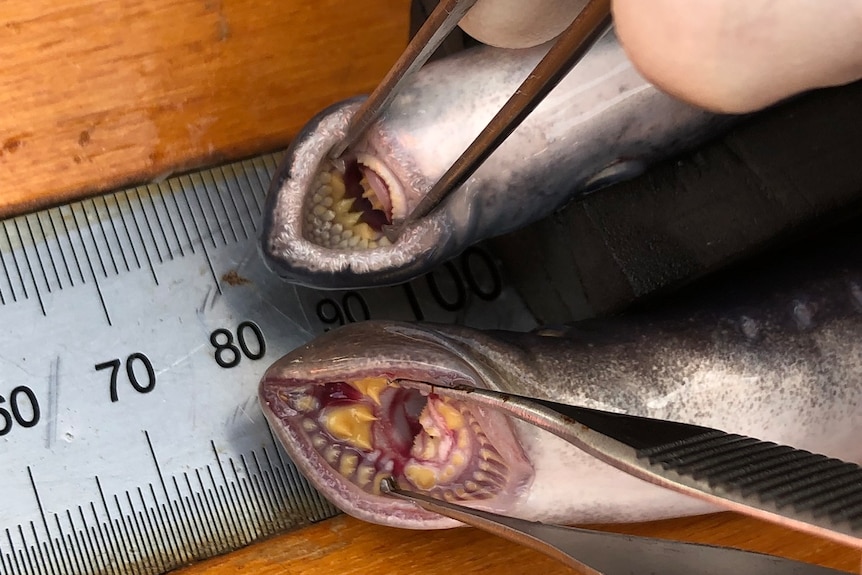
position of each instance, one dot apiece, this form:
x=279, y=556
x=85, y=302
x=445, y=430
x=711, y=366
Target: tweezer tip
x=388, y=485
x=393, y=231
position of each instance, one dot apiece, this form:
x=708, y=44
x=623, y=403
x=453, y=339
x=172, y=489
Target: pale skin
x=742, y=55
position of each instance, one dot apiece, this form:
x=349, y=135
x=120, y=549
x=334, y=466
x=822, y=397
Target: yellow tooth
x=305, y=403
x=492, y=457
x=365, y=232
x=308, y=425
x=343, y=206
x=458, y=459
x=471, y=486
x=332, y=453
x=364, y=475
x=349, y=220
x=431, y=447
x=319, y=442
x=369, y=194
x=448, y=474
x=371, y=386
x=453, y=418
x=492, y=469
x=421, y=477
x=460, y=492
x=337, y=184
x=348, y=464
x=463, y=439
x=350, y=423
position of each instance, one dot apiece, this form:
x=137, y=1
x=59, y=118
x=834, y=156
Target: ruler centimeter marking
x=137, y=326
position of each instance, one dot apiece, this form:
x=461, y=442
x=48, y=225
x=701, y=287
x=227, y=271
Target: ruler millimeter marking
x=137, y=326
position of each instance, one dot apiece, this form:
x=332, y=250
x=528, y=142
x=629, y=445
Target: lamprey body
x=775, y=354
x=602, y=123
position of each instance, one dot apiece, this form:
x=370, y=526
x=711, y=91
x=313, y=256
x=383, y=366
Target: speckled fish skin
x=603, y=123
x=774, y=354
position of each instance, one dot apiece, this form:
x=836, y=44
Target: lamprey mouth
x=351, y=200
x=368, y=429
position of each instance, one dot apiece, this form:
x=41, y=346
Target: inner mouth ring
x=350, y=201
x=369, y=429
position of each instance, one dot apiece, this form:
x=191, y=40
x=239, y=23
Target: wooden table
x=97, y=94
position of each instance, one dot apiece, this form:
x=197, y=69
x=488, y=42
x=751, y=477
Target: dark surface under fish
x=790, y=171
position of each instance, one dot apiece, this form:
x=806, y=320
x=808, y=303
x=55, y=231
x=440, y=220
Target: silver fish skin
x=781, y=364
x=603, y=123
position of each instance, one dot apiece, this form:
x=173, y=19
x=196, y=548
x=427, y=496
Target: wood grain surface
x=347, y=546
x=97, y=94
x=101, y=93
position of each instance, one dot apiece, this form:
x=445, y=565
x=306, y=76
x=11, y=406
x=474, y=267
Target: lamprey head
x=335, y=406
x=324, y=216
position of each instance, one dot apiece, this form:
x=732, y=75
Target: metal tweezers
x=781, y=484
x=592, y=22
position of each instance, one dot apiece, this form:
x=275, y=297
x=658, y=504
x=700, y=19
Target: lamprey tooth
x=453, y=418
x=343, y=206
x=492, y=456
x=492, y=471
x=332, y=453
x=471, y=486
x=337, y=184
x=460, y=493
x=365, y=232
x=420, y=476
x=429, y=448
x=305, y=404
x=364, y=475
x=348, y=464
x=448, y=474
x=350, y=424
x=349, y=219
x=371, y=387
x=463, y=440
x=369, y=194
x=458, y=459
x=308, y=425
x=319, y=442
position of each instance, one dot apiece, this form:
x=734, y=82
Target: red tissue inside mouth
x=353, y=174
x=397, y=417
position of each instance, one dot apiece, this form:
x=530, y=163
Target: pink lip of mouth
x=346, y=436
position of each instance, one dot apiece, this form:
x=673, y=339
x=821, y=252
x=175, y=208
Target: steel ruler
x=136, y=327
